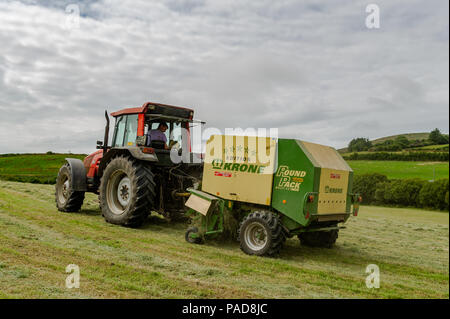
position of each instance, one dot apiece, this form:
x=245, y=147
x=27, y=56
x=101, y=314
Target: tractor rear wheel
x=319, y=239
x=127, y=192
x=261, y=234
x=67, y=200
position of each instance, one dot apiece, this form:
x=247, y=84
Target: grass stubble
x=410, y=247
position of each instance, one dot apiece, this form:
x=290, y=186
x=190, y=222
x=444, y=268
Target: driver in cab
x=158, y=134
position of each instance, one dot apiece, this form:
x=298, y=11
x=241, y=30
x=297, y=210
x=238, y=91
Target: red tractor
x=136, y=174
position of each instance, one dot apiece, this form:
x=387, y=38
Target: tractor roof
x=157, y=108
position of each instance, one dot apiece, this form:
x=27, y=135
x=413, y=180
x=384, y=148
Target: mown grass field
x=402, y=169
x=37, y=242
x=33, y=168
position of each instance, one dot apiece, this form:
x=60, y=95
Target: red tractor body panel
x=91, y=163
x=145, y=106
x=131, y=110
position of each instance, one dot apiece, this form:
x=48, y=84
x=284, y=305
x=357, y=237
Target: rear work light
x=148, y=150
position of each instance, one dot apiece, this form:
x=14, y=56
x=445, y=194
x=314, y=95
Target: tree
x=437, y=138
x=402, y=141
x=359, y=144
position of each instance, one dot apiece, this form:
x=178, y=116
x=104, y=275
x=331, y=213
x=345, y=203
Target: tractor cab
x=138, y=130
x=133, y=125
x=126, y=132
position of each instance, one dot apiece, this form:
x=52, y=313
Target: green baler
x=275, y=188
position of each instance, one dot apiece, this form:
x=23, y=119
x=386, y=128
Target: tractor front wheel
x=127, y=192
x=261, y=234
x=319, y=238
x=67, y=200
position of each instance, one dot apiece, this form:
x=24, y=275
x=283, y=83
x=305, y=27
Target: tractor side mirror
x=99, y=144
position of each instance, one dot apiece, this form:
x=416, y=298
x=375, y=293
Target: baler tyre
x=127, y=192
x=261, y=234
x=191, y=240
x=324, y=239
x=67, y=200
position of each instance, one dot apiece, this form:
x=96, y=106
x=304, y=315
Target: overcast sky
x=310, y=68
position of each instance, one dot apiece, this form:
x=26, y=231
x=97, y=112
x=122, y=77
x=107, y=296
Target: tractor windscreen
x=125, y=130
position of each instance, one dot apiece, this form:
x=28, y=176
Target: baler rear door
x=335, y=175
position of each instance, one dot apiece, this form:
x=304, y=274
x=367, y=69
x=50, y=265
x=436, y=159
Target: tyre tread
x=76, y=198
x=142, y=178
x=278, y=236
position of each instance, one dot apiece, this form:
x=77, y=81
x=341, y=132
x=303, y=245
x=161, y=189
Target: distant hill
x=409, y=136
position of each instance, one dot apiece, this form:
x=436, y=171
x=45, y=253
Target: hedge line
x=410, y=156
x=379, y=190
x=29, y=179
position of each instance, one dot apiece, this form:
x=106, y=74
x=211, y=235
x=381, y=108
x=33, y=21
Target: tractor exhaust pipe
x=105, y=139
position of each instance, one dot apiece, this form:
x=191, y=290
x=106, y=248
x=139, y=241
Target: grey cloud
x=310, y=68
x=184, y=6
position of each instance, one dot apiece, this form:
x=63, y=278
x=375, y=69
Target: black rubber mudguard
x=78, y=174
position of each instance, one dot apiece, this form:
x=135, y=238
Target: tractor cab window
x=131, y=130
x=119, y=131
x=126, y=130
x=175, y=135
x=154, y=126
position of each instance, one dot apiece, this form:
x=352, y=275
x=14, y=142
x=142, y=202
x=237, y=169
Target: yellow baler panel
x=240, y=168
x=332, y=191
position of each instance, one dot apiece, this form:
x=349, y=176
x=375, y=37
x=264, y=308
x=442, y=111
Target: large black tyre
x=127, y=192
x=67, y=200
x=319, y=239
x=261, y=234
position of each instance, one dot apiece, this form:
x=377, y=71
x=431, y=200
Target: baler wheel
x=261, y=234
x=127, y=192
x=189, y=239
x=324, y=239
x=66, y=199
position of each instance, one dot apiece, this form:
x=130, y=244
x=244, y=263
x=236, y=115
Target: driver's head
x=163, y=126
